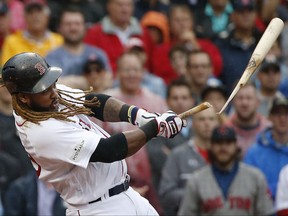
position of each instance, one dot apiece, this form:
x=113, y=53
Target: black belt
x=115, y=190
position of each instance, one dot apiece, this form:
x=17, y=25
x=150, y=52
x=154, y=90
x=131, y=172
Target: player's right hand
x=169, y=124
x=143, y=117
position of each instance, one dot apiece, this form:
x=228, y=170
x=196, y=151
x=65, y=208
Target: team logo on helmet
x=40, y=68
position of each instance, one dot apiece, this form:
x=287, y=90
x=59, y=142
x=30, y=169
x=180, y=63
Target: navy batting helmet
x=28, y=73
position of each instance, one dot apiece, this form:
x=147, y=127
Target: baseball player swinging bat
x=264, y=45
x=194, y=110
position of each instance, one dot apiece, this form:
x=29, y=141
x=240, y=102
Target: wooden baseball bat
x=265, y=43
x=194, y=110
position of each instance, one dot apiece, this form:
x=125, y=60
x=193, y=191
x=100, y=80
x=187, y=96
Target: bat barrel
x=194, y=110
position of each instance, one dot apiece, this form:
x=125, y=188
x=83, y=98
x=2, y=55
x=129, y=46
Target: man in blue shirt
x=270, y=152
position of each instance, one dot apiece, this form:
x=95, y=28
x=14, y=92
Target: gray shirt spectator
x=227, y=186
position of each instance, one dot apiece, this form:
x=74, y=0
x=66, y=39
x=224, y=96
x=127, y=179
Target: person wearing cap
x=227, y=186
x=237, y=44
x=244, y=117
x=84, y=164
x=269, y=77
x=74, y=53
x=216, y=95
x=94, y=75
x=186, y=159
x=36, y=37
x=277, y=55
x=270, y=151
x=150, y=81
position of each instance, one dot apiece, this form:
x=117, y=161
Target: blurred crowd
x=163, y=55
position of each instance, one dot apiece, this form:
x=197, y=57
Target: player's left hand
x=169, y=124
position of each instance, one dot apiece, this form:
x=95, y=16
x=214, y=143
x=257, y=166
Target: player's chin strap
x=116, y=189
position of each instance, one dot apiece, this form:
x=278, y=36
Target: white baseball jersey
x=282, y=190
x=60, y=153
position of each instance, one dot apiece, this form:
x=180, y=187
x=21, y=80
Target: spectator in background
x=213, y=19
x=227, y=186
x=74, y=53
x=36, y=37
x=178, y=56
x=199, y=72
x=270, y=152
x=30, y=196
x=181, y=26
x=179, y=99
x=269, y=77
x=130, y=73
x=186, y=159
x=281, y=201
x=215, y=94
x=276, y=54
x=245, y=119
x=150, y=81
x=94, y=75
x=142, y=7
x=157, y=25
x=237, y=45
x=114, y=31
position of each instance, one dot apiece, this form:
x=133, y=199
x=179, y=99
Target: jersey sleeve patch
x=77, y=150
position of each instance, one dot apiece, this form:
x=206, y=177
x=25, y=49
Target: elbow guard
x=111, y=149
x=97, y=110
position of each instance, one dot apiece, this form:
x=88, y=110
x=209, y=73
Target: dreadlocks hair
x=69, y=103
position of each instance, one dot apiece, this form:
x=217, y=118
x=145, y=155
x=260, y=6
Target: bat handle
x=194, y=110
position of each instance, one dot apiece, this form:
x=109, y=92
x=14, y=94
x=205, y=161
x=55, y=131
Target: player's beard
x=38, y=108
x=224, y=163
